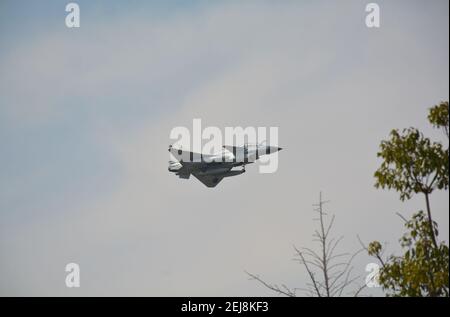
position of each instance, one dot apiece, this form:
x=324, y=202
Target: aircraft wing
x=198, y=169
x=233, y=149
x=209, y=180
x=183, y=155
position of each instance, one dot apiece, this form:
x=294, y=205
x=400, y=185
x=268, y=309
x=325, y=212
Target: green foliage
x=412, y=164
x=374, y=248
x=438, y=117
x=422, y=270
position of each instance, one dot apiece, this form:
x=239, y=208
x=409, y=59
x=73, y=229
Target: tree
x=330, y=273
x=438, y=117
x=414, y=164
x=422, y=270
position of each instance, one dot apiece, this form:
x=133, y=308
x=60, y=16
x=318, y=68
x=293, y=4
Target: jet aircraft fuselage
x=210, y=169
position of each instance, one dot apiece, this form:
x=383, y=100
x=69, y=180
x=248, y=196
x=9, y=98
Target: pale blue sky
x=85, y=116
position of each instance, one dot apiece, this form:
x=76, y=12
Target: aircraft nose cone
x=272, y=149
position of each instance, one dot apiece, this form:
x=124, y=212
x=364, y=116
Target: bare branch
x=311, y=274
x=328, y=276
x=273, y=287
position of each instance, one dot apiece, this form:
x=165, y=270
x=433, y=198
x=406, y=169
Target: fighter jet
x=210, y=169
